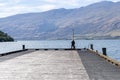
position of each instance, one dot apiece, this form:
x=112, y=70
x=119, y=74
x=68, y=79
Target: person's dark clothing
x=73, y=44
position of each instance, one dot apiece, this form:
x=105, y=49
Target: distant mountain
x=99, y=20
x=5, y=37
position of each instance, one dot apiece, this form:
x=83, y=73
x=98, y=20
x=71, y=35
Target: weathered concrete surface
x=44, y=65
x=97, y=68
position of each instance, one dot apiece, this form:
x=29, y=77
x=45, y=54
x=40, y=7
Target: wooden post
x=23, y=46
x=104, y=51
x=91, y=46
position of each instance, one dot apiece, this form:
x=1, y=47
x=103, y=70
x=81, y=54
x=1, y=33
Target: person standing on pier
x=73, y=42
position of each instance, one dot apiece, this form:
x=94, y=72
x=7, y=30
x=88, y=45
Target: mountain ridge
x=98, y=19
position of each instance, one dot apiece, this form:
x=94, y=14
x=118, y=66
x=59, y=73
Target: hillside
x=99, y=20
x=4, y=37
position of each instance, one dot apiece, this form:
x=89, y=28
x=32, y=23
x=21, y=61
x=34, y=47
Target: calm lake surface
x=113, y=46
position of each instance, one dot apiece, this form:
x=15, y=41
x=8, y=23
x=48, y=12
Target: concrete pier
x=44, y=65
x=57, y=65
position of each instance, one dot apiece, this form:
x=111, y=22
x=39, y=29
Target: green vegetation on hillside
x=5, y=37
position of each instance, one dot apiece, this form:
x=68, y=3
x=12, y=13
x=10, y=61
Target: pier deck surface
x=56, y=65
x=97, y=68
x=43, y=65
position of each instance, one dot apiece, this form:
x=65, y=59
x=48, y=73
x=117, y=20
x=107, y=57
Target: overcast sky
x=12, y=7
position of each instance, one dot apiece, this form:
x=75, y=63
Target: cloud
x=2, y=4
x=7, y=11
x=114, y=0
x=63, y=3
x=45, y=7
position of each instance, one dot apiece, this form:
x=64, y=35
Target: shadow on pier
x=15, y=54
x=98, y=68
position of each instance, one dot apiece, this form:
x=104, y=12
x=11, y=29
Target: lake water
x=113, y=46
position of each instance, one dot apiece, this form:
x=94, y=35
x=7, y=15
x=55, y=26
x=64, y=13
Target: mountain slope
x=99, y=19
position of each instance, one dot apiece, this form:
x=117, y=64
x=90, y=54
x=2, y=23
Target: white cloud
x=2, y=4
x=7, y=11
x=64, y=3
x=50, y=1
x=45, y=7
x=115, y=0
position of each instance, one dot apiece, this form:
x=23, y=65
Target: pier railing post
x=23, y=46
x=104, y=51
x=91, y=46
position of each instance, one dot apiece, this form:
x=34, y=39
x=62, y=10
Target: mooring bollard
x=23, y=46
x=104, y=51
x=91, y=46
